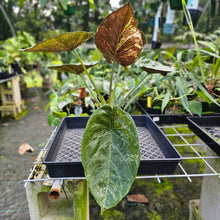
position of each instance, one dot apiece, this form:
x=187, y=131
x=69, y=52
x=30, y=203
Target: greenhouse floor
x=32, y=129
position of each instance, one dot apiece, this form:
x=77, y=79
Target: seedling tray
x=207, y=128
x=63, y=158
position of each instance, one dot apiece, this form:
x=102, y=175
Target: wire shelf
x=191, y=148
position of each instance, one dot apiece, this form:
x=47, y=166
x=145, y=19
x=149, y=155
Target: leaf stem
x=132, y=91
x=115, y=87
x=90, y=78
x=111, y=99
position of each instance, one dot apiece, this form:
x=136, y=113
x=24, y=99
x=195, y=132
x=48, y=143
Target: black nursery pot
x=206, y=107
x=155, y=45
x=195, y=15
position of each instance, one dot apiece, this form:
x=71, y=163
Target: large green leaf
x=76, y=69
x=63, y=42
x=118, y=37
x=110, y=154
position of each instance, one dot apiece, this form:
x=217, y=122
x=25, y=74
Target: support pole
x=81, y=200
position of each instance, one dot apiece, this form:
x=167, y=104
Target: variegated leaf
x=118, y=37
x=76, y=69
x=63, y=42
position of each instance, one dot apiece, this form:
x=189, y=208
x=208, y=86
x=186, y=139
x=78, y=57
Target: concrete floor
x=14, y=168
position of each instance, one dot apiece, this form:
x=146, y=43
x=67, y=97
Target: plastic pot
x=150, y=22
x=155, y=45
x=195, y=15
x=176, y=4
x=169, y=28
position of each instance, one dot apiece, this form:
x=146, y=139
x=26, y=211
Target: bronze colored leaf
x=25, y=147
x=118, y=37
x=76, y=69
x=63, y=42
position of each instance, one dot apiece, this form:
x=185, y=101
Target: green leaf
x=165, y=100
x=151, y=66
x=63, y=42
x=110, y=154
x=64, y=4
x=118, y=37
x=43, y=3
x=50, y=119
x=196, y=107
x=92, y=5
x=202, y=95
x=180, y=86
x=76, y=69
x=210, y=45
x=203, y=89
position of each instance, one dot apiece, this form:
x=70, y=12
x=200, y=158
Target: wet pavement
x=14, y=168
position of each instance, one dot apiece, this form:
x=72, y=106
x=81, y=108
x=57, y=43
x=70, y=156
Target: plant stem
x=115, y=87
x=90, y=90
x=90, y=78
x=189, y=21
x=131, y=92
x=111, y=99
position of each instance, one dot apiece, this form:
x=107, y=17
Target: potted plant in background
x=110, y=146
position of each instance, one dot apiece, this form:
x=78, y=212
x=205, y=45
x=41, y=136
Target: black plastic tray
x=199, y=125
x=63, y=158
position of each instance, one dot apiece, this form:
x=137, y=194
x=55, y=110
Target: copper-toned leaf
x=151, y=66
x=118, y=37
x=25, y=147
x=63, y=42
x=76, y=69
x=140, y=198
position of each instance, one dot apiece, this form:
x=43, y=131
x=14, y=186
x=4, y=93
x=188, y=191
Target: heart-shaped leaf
x=118, y=37
x=64, y=42
x=110, y=154
x=76, y=69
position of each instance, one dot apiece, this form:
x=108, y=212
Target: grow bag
x=63, y=158
x=208, y=129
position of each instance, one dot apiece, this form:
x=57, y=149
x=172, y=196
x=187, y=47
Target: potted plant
x=120, y=44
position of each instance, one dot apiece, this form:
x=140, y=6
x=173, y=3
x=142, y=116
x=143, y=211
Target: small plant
x=110, y=146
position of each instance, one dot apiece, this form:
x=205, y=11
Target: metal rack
x=190, y=152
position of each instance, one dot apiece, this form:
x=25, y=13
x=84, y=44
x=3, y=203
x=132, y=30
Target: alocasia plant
x=110, y=145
